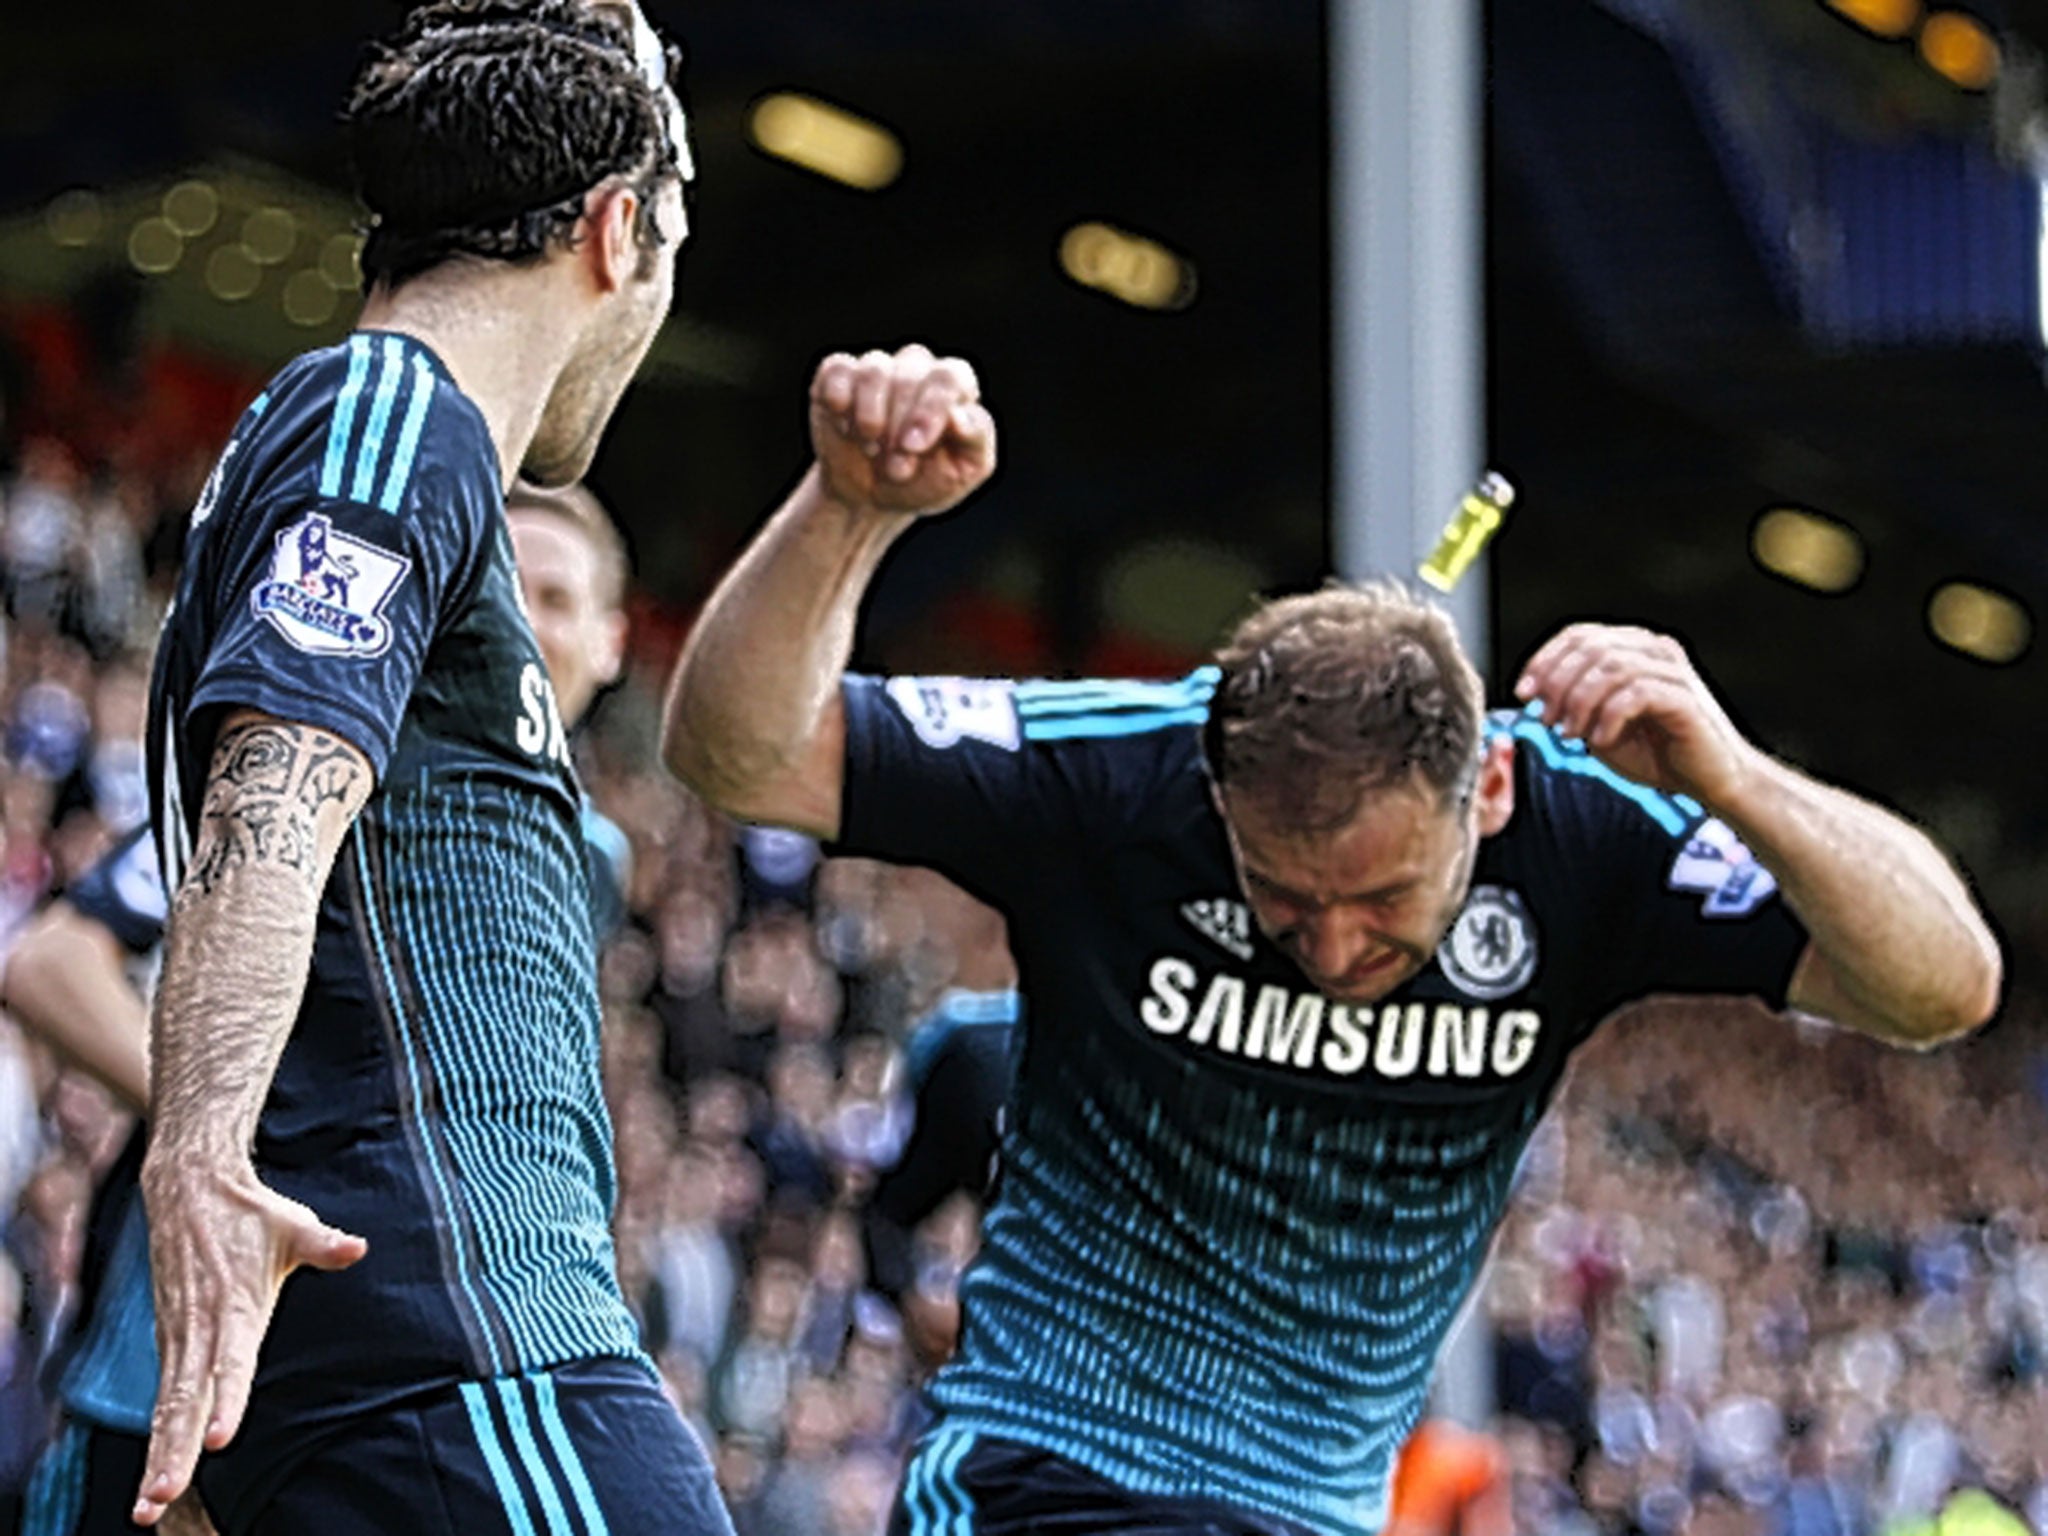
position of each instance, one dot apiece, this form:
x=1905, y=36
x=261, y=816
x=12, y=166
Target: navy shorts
x=962, y=1484
x=85, y=1483
x=589, y=1449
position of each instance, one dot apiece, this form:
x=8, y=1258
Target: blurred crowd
x=1777, y=1280
x=90, y=489
x=1755, y=1278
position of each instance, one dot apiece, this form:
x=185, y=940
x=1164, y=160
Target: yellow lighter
x=1477, y=519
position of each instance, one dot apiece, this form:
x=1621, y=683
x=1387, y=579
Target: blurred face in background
x=582, y=634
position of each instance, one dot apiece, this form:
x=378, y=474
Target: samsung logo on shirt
x=1306, y=1030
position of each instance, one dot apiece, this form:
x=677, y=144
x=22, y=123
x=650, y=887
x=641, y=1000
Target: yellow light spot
x=191, y=207
x=270, y=234
x=309, y=298
x=74, y=218
x=232, y=273
x=1885, y=18
x=341, y=262
x=1960, y=50
x=1980, y=622
x=154, y=247
x=1808, y=549
x=827, y=140
x=1129, y=267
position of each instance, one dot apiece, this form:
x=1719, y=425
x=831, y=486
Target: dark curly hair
x=1329, y=696
x=479, y=127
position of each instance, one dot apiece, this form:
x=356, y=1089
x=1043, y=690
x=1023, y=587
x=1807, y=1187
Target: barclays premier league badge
x=1490, y=951
x=327, y=592
x=947, y=710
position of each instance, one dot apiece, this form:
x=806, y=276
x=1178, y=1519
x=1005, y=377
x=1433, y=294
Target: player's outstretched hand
x=1636, y=700
x=220, y=1246
x=901, y=433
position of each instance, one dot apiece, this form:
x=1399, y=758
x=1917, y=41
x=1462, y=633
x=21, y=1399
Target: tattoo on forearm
x=242, y=922
x=268, y=785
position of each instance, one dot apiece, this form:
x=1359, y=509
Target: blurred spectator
x=750, y=1384
x=44, y=525
x=694, y=1266
x=796, y=1495
x=790, y=1136
x=858, y=1500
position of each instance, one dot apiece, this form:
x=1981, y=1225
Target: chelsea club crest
x=1490, y=951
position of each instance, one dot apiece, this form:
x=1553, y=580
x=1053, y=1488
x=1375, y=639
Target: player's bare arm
x=754, y=721
x=67, y=982
x=279, y=798
x=1899, y=948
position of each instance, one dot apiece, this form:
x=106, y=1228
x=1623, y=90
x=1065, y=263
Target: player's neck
x=502, y=344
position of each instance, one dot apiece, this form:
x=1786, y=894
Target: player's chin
x=554, y=471
x=1370, y=986
x=561, y=454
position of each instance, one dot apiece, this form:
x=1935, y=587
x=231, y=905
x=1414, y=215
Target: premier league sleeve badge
x=327, y=591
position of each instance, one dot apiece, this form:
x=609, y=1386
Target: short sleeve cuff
x=242, y=688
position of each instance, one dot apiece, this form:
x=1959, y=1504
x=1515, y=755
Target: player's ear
x=611, y=242
x=1495, y=792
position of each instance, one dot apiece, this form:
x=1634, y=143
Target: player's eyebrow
x=1298, y=899
x=1286, y=893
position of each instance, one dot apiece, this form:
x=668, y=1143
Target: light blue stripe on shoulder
x=1076, y=727
x=343, y=426
x=389, y=372
x=509, y=1492
x=551, y=1505
x=565, y=1452
x=424, y=383
x=259, y=405
x=1096, y=694
x=1673, y=813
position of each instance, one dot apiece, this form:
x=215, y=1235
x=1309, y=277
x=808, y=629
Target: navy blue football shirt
x=1236, y=1218
x=349, y=569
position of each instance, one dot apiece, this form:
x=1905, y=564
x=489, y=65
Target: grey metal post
x=1408, y=391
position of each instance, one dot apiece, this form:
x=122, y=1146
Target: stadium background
x=1740, y=257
